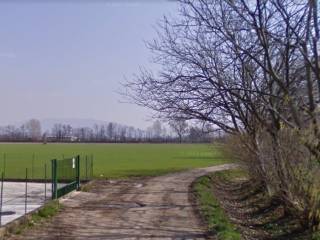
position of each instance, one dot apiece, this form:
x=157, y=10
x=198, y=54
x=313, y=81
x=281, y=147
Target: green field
x=110, y=160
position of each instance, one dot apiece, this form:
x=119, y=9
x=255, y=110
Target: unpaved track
x=151, y=208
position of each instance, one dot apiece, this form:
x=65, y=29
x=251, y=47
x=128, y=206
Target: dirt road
x=151, y=208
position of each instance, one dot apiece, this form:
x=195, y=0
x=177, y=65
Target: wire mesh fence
x=18, y=198
x=65, y=176
x=86, y=167
x=26, y=183
x=39, y=166
x=14, y=167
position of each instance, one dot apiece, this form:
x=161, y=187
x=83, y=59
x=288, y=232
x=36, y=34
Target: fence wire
x=26, y=183
x=19, y=198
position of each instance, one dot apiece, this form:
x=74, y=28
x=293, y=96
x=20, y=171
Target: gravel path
x=150, y=208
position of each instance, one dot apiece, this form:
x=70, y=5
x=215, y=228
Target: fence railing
x=27, y=185
x=19, y=198
x=65, y=176
x=39, y=166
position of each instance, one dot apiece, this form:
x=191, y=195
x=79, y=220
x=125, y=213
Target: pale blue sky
x=66, y=60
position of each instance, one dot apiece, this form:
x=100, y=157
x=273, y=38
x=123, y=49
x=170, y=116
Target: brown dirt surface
x=256, y=215
x=148, y=208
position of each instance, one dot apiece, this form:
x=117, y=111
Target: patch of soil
x=254, y=213
x=138, y=208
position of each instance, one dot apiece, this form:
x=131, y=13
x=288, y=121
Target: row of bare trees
x=29, y=131
x=178, y=131
x=250, y=68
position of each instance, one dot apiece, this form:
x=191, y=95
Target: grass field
x=110, y=160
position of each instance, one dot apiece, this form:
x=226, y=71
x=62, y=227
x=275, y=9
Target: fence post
x=91, y=166
x=54, y=179
x=26, y=193
x=78, y=171
x=4, y=163
x=32, y=165
x=45, y=182
x=86, y=168
x=1, y=198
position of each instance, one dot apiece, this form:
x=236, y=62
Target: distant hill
x=47, y=124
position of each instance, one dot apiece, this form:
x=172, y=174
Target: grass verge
x=213, y=214
x=316, y=236
x=47, y=211
x=109, y=160
x=231, y=175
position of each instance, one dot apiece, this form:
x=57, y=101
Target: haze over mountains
x=47, y=124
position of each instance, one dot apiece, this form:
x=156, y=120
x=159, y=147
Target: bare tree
x=157, y=129
x=100, y=132
x=111, y=130
x=250, y=68
x=180, y=127
x=196, y=134
x=84, y=134
x=61, y=131
x=33, y=128
x=122, y=133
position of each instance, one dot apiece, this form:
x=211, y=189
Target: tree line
x=250, y=68
x=174, y=131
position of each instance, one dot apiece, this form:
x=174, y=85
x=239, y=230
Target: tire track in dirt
x=150, y=208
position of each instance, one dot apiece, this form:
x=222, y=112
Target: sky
x=67, y=59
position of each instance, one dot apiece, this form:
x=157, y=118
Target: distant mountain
x=47, y=124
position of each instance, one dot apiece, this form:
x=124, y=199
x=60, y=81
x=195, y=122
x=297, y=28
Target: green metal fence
x=39, y=166
x=86, y=167
x=65, y=176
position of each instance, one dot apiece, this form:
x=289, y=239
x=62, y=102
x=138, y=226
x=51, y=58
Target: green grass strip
x=213, y=214
x=109, y=160
x=316, y=235
x=47, y=211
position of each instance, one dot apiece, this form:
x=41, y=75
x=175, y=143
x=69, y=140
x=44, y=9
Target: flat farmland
x=109, y=160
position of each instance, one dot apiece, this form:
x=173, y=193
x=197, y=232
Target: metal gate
x=65, y=176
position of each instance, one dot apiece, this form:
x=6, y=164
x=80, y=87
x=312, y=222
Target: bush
x=286, y=167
